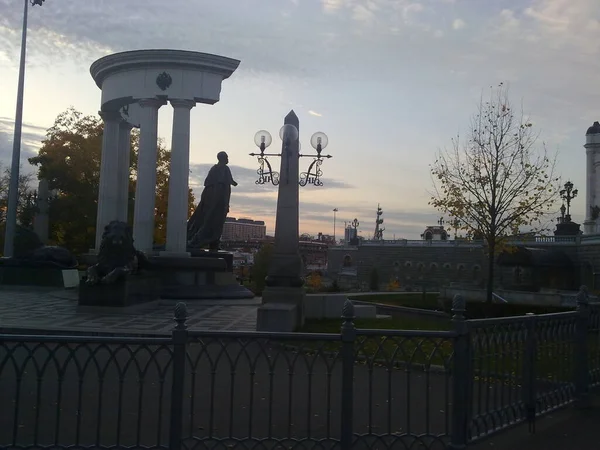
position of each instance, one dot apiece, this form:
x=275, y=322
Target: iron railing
x=354, y=389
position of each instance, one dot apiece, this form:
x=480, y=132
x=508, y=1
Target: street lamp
x=335, y=210
x=289, y=133
x=568, y=194
x=13, y=190
x=262, y=139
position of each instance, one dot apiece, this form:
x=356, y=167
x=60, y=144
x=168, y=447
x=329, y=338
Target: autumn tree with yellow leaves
x=497, y=180
x=70, y=160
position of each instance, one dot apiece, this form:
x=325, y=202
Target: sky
x=390, y=82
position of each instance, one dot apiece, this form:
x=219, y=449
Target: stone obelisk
x=283, y=296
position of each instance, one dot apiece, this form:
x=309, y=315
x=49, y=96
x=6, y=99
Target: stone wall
x=410, y=265
x=437, y=264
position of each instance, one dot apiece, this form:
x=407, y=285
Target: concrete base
x=277, y=317
x=196, y=278
x=286, y=296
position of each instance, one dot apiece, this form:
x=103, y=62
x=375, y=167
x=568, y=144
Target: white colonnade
x=139, y=83
x=113, y=198
x=179, y=179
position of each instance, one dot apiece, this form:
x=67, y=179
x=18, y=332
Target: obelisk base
x=282, y=309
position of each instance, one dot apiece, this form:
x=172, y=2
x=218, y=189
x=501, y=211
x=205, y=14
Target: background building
x=243, y=229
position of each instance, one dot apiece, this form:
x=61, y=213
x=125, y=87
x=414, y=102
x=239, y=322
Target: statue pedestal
x=135, y=289
x=567, y=229
x=197, y=278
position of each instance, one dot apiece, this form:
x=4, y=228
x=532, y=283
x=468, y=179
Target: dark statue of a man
x=206, y=224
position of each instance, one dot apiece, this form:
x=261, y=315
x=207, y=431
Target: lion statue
x=117, y=257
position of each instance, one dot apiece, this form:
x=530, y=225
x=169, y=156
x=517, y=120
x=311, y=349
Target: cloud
x=31, y=137
x=458, y=24
x=331, y=6
x=314, y=113
x=64, y=31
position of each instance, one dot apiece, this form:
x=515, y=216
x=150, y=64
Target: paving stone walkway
x=31, y=309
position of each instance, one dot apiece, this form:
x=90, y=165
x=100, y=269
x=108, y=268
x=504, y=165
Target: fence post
x=180, y=338
x=461, y=377
x=348, y=337
x=581, y=349
x=528, y=394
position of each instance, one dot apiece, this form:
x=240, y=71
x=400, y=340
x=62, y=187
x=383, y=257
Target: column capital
x=151, y=103
x=178, y=103
x=126, y=125
x=108, y=116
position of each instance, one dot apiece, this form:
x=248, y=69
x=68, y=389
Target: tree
x=260, y=268
x=25, y=206
x=497, y=181
x=23, y=196
x=70, y=160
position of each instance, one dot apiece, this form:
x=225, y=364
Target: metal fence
x=354, y=389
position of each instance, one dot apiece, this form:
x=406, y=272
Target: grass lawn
x=397, y=350
x=408, y=299
x=498, y=354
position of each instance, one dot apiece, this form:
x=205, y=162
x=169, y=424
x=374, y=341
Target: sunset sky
x=389, y=81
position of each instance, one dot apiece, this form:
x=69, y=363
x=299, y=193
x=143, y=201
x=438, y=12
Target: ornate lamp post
x=283, y=295
x=568, y=194
x=13, y=190
x=263, y=139
x=265, y=172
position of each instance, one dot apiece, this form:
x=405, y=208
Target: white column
x=124, y=169
x=145, y=193
x=177, y=213
x=108, y=189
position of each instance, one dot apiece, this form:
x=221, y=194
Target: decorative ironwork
x=268, y=175
x=265, y=172
x=415, y=388
x=164, y=81
x=313, y=174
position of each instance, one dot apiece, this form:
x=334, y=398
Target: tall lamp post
x=283, y=296
x=335, y=210
x=13, y=190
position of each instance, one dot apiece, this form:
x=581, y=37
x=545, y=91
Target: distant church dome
x=594, y=129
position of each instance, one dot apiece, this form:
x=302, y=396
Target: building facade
x=436, y=263
x=243, y=229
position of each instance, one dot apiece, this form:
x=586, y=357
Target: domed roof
x=594, y=129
